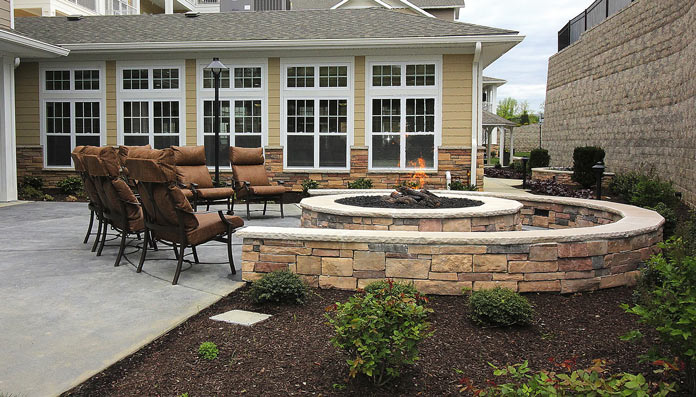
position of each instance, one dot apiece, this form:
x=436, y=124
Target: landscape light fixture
x=598, y=170
x=216, y=68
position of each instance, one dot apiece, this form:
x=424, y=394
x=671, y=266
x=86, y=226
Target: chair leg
x=280, y=202
x=195, y=254
x=248, y=212
x=231, y=212
x=230, y=257
x=121, y=249
x=176, y=253
x=105, y=228
x=89, y=228
x=265, y=203
x=207, y=207
x=142, y=255
x=154, y=244
x=98, y=237
x=178, y=265
x=229, y=209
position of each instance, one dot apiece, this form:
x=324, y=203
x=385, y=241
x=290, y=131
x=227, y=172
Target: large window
x=242, y=108
x=403, y=115
x=151, y=105
x=316, y=115
x=72, y=110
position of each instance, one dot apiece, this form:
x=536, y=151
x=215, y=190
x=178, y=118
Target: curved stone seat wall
x=564, y=260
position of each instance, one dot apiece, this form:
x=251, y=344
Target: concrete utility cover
x=241, y=317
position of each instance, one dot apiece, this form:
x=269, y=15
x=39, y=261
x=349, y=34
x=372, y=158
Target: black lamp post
x=598, y=170
x=541, y=122
x=524, y=172
x=216, y=67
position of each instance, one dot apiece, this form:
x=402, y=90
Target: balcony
x=487, y=106
x=117, y=7
x=88, y=4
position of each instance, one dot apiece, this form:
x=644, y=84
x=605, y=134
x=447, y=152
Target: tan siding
x=359, y=107
x=448, y=14
x=111, y=124
x=27, y=104
x=273, y=101
x=191, y=111
x=5, y=14
x=147, y=7
x=456, y=99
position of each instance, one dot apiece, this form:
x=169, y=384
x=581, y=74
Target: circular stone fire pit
x=492, y=215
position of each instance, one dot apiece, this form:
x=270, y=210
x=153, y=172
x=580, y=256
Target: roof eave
x=291, y=44
x=23, y=46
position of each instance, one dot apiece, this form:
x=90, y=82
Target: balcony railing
x=591, y=17
x=487, y=106
x=117, y=7
x=207, y=2
x=89, y=4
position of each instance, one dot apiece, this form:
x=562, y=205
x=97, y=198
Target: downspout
x=476, y=110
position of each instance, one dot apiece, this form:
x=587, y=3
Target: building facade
x=374, y=107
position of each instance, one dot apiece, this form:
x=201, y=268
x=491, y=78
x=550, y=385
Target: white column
x=501, y=155
x=8, y=145
x=168, y=6
x=476, y=109
x=512, y=143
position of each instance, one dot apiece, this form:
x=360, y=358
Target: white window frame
x=232, y=94
x=151, y=95
x=403, y=92
x=316, y=93
x=71, y=96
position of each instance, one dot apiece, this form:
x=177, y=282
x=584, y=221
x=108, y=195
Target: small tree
x=583, y=160
x=508, y=108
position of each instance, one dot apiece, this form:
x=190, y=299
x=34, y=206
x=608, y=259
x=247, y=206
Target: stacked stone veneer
x=565, y=261
x=455, y=160
x=496, y=223
x=629, y=86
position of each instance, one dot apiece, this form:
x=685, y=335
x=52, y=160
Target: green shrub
x=539, y=158
x=279, y=286
x=70, y=186
x=518, y=166
x=33, y=181
x=669, y=215
x=499, y=307
x=380, y=332
x=593, y=381
x=309, y=184
x=459, y=185
x=666, y=300
x=583, y=160
x=391, y=287
x=30, y=193
x=622, y=185
x=360, y=183
x=649, y=192
x=208, y=350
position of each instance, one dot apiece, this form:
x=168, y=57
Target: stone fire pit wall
x=565, y=260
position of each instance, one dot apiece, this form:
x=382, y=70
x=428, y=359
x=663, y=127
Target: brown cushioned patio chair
x=95, y=205
x=122, y=210
x=123, y=151
x=168, y=214
x=250, y=180
x=195, y=181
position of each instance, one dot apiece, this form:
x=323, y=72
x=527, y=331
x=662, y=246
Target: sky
x=525, y=66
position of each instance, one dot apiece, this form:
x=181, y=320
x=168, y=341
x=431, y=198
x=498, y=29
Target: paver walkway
x=66, y=314
x=500, y=185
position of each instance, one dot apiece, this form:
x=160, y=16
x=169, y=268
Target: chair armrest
x=224, y=220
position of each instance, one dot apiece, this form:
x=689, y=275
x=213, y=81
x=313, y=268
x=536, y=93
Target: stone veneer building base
x=593, y=245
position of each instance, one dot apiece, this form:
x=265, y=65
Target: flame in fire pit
x=418, y=178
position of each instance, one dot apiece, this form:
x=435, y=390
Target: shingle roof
x=324, y=4
x=243, y=26
x=493, y=119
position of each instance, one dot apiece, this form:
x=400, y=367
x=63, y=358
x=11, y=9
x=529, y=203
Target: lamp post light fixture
x=541, y=122
x=524, y=172
x=598, y=170
x=216, y=68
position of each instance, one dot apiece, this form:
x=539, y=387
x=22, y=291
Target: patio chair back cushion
x=108, y=154
x=114, y=191
x=77, y=159
x=248, y=166
x=191, y=166
x=159, y=177
x=123, y=151
x=90, y=189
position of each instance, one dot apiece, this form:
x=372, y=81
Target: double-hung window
x=151, y=104
x=316, y=114
x=242, y=108
x=72, y=109
x=404, y=117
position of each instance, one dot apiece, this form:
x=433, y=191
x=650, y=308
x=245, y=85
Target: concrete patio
x=67, y=314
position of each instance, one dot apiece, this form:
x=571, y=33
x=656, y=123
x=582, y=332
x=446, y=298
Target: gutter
x=476, y=109
x=244, y=45
x=8, y=36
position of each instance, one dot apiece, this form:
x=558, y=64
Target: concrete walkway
x=500, y=185
x=66, y=314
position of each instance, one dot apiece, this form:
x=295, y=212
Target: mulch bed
x=379, y=202
x=502, y=172
x=290, y=353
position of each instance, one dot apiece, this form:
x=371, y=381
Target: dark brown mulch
x=502, y=172
x=379, y=202
x=290, y=353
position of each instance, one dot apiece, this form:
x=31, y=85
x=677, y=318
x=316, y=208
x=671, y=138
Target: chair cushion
x=216, y=193
x=198, y=174
x=188, y=193
x=123, y=151
x=268, y=190
x=246, y=156
x=151, y=165
x=77, y=158
x=209, y=226
x=254, y=174
x=133, y=211
x=189, y=155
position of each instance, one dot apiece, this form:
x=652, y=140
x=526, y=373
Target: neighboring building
x=51, y=8
x=443, y=9
x=331, y=95
x=629, y=86
x=12, y=47
x=490, y=104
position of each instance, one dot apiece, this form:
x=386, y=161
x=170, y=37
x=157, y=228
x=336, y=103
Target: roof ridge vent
x=191, y=14
x=74, y=17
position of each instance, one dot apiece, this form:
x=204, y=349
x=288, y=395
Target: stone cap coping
x=492, y=206
x=635, y=221
x=567, y=172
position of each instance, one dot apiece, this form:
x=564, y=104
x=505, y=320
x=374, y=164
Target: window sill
x=316, y=170
x=58, y=169
x=411, y=171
